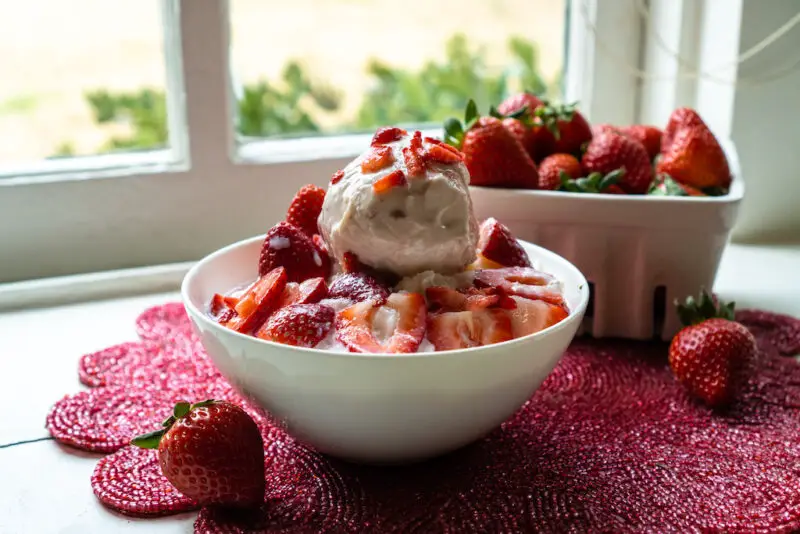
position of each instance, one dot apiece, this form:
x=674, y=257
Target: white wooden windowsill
x=40, y=348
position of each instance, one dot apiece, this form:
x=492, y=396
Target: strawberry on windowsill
x=711, y=354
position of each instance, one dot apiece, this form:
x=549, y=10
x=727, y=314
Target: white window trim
x=697, y=36
x=201, y=194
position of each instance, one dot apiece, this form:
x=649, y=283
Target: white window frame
x=124, y=211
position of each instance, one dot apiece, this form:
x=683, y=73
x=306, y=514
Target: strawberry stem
x=149, y=440
x=181, y=409
x=594, y=183
x=695, y=311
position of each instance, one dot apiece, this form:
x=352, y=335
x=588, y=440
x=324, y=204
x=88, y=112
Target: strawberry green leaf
x=664, y=185
x=610, y=179
x=203, y=404
x=520, y=114
x=694, y=311
x=149, y=440
x=471, y=113
x=493, y=112
x=567, y=183
x=453, y=132
x=181, y=409
x=168, y=421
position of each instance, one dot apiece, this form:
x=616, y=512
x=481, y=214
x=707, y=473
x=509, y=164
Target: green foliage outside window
x=297, y=104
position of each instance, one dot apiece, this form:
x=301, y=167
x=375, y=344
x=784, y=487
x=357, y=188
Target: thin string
x=688, y=71
x=24, y=442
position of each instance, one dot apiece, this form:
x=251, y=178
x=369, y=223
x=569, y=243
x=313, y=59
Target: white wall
x=766, y=127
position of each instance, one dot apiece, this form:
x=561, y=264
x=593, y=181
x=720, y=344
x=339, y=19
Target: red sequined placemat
x=609, y=443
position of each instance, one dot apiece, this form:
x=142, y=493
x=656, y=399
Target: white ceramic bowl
x=640, y=252
x=380, y=408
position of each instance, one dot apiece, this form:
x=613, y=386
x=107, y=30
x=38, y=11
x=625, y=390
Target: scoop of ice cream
x=403, y=206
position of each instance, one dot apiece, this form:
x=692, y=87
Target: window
x=82, y=78
x=247, y=100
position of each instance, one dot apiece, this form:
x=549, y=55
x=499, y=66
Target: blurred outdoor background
x=88, y=76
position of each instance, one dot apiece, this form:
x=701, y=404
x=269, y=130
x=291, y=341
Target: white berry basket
x=639, y=253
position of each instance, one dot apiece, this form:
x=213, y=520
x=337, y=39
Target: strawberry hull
x=640, y=252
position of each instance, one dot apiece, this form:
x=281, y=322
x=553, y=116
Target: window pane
x=80, y=77
x=328, y=66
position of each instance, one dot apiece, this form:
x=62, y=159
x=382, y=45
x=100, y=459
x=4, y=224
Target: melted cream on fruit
x=420, y=282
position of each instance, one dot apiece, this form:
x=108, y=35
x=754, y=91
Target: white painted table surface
x=45, y=488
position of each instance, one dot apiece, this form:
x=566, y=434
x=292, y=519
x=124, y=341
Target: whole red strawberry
x=610, y=151
x=552, y=166
x=493, y=156
x=517, y=102
x=211, y=452
x=287, y=246
x=525, y=134
x=679, y=119
x=305, y=209
x=648, y=136
x=567, y=125
x=710, y=355
x=691, y=154
x=302, y=325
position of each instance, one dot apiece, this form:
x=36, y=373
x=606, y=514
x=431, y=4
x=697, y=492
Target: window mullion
x=205, y=41
x=670, y=51
x=602, y=59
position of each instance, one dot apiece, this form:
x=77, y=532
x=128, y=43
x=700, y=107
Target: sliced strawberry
x=322, y=250
x=355, y=325
x=219, y=303
x=442, y=298
x=488, y=297
x=461, y=330
x=389, y=182
x=524, y=282
x=448, y=300
x=482, y=262
x=258, y=301
x=413, y=156
x=309, y=292
x=350, y=263
x=530, y=316
x=337, y=177
x=305, y=209
x=358, y=287
x=287, y=246
x=302, y=325
x=388, y=134
x=497, y=244
x=440, y=154
x=222, y=307
x=439, y=142
x=379, y=157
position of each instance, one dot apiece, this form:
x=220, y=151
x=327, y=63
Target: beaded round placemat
x=609, y=443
